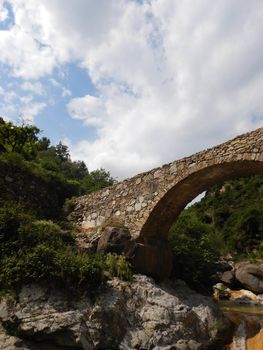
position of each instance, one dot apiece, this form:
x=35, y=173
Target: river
x=249, y=325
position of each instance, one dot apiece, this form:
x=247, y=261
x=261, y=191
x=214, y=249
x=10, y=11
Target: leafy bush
x=12, y=216
x=62, y=266
x=117, y=266
x=96, y=180
x=39, y=231
x=229, y=219
x=32, y=247
x=195, y=248
x=69, y=205
x=19, y=139
x=42, y=251
x=244, y=230
x=22, y=149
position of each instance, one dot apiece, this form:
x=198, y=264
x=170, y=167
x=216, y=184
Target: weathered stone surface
x=228, y=278
x=149, y=203
x=127, y=315
x=250, y=276
x=114, y=240
x=153, y=259
x=9, y=342
x=242, y=296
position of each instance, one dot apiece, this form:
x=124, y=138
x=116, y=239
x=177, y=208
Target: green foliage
x=96, y=180
x=244, y=229
x=69, y=205
x=62, y=152
x=195, y=248
x=12, y=217
x=37, y=231
x=20, y=147
x=35, y=250
x=56, y=160
x=14, y=160
x=116, y=265
x=19, y=139
x=235, y=209
x=229, y=219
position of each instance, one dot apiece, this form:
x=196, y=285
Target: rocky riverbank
x=243, y=307
x=126, y=315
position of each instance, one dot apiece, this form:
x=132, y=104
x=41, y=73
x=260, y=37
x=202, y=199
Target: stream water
x=249, y=325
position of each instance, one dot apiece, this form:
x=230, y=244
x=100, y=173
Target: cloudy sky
x=129, y=85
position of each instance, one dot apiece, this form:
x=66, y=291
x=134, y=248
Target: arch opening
x=176, y=199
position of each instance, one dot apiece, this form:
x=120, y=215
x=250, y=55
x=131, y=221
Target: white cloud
x=14, y=106
x=9, y=96
x=3, y=12
x=30, y=110
x=90, y=109
x=54, y=82
x=27, y=58
x=64, y=91
x=175, y=79
x=172, y=76
x=37, y=88
x=26, y=99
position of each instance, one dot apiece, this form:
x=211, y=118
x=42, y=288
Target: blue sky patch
x=10, y=20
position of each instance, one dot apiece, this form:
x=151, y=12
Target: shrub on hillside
x=244, y=230
x=42, y=251
x=195, y=247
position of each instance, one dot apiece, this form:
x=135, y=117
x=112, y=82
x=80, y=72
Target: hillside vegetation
x=36, y=242
x=228, y=220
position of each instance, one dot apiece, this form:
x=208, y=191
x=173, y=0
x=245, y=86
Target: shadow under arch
x=166, y=211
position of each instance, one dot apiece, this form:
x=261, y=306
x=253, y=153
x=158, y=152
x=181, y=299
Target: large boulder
x=242, y=296
x=250, y=276
x=115, y=240
x=228, y=278
x=127, y=315
x=152, y=258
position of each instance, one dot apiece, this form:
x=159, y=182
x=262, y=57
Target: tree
x=43, y=144
x=62, y=152
x=20, y=139
x=96, y=180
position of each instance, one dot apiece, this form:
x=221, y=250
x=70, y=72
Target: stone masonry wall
x=161, y=193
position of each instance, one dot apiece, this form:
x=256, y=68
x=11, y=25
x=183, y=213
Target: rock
x=228, y=278
x=126, y=315
x=223, y=266
x=115, y=240
x=241, y=296
x=9, y=342
x=220, y=292
x=154, y=259
x=250, y=276
x=223, y=272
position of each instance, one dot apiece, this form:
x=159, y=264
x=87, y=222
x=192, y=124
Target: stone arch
x=148, y=203
x=169, y=207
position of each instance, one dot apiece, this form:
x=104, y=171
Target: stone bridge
x=149, y=203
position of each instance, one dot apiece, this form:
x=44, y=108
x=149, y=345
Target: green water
x=248, y=320
x=230, y=307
